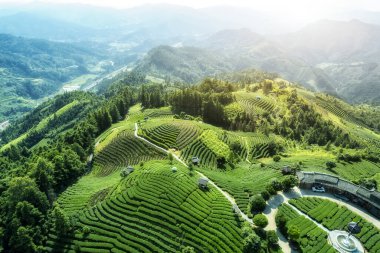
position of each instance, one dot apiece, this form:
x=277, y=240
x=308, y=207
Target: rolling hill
x=337, y=57
x=32, y=69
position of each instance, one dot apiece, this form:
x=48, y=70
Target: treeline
x=30, y=179
x=299, y=121
x=303, y=123
x=152, y=96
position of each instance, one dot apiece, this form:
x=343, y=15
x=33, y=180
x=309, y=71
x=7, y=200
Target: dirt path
x=225, y=194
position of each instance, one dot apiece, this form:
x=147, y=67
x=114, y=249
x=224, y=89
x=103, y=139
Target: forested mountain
x=32, y=69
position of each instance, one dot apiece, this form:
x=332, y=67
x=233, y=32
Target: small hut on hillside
x=203, y=183
x=195, y=160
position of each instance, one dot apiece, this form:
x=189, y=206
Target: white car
x=318, y=189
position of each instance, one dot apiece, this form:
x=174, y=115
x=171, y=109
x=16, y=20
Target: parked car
x=318, y=189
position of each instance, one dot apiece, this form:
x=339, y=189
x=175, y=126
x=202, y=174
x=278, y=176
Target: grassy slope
x=43, y=123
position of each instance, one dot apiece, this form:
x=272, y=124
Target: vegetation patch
x=303, y=231
x=157, y=210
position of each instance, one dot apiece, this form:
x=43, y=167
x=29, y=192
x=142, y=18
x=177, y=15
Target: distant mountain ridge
x=32, y=69
x=341, y=58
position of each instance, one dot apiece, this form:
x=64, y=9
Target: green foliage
x=311, y=237
x=188, y=249
x=152, y=214
x=289, y=182
x=276, y=158
x=61, y=221
x=257, y=203
x=260, y=220
x=272, y=238
x=294, y=233
x=266, y=195
x=330, y=165
x=251, y=243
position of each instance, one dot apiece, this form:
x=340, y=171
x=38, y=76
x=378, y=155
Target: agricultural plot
x=124, y=150
x=163, y=112
x=171, y=134
x=199, y=149
x=333, y=216
x=336, y=110
x=89, y=190
x=312, y=238
x=233, y=109
x=255, y=103
x=156, y=211
x=243, y=181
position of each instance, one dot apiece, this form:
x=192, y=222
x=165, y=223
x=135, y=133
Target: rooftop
x=315, y=177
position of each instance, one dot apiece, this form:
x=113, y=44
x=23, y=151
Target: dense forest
x=32, y=178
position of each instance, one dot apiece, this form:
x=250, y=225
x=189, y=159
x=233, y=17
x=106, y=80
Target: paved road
x=108, y=76
x=351, y=206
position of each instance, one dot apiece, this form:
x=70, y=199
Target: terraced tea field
x=255, y=103
x=124, y=150
x=335, y=217
x=312, y=238
x=171, y=134
x=156, y=210
x=89, y=190
x=243, y=181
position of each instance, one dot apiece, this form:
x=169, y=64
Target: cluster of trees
x=31, y=179
x=257, y=203
x=303, y=123
x=256, y=239
x=152, y=96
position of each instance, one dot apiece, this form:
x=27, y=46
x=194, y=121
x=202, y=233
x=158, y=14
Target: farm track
x=225, y=194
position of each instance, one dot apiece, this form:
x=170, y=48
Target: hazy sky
x=276, y=5
x=298, y=9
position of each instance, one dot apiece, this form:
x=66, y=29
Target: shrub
x=188, y=249
x=257, y=203
x=265, y=195
x=170, y=157
x=294, y=233
x=289, y=182
x=276, y=158
x=277, y=186
x=260, y=220
x=251, y=243
x=281, y=223
x=330, y=165
x=272, y=238
x=86, y=230
x=269, y=188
